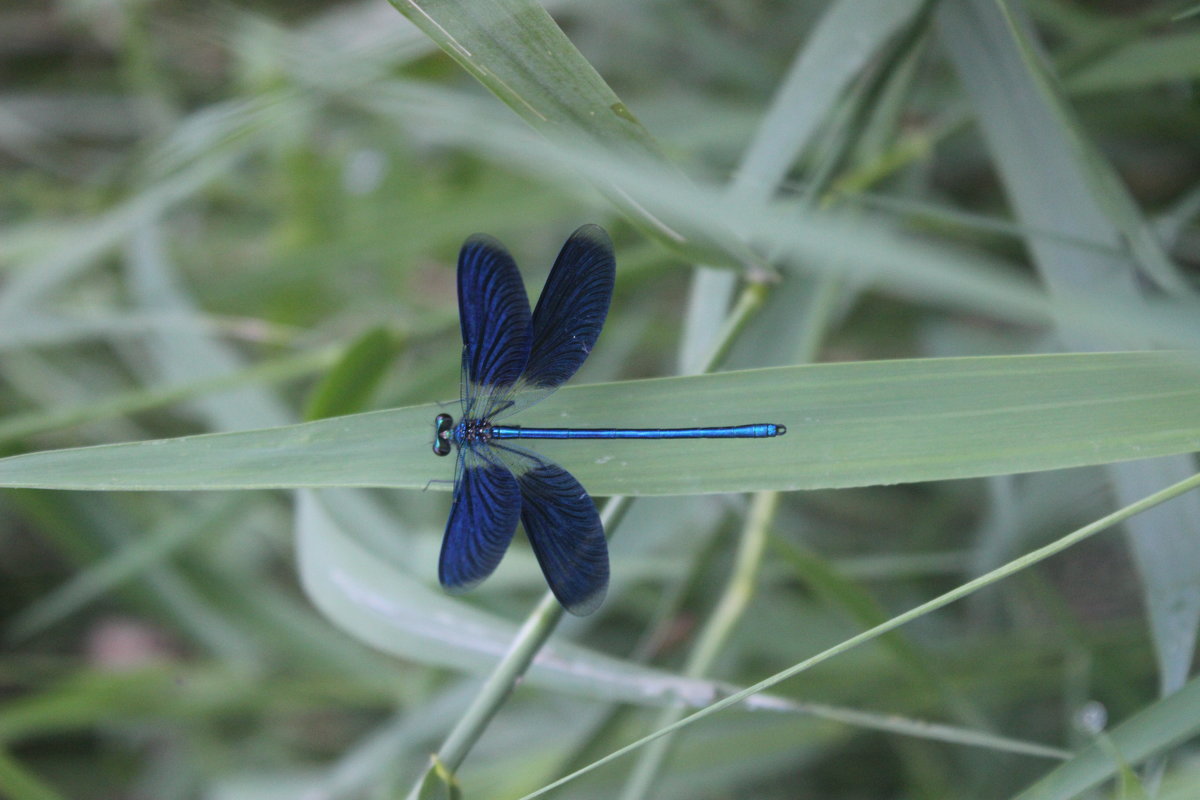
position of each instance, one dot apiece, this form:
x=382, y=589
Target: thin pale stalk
x=725, y=616
x=749, y=301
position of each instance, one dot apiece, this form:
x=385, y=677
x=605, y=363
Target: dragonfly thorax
x=473, y=430
x=467, y=431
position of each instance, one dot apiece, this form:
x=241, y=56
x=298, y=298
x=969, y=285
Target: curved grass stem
x=499, y=684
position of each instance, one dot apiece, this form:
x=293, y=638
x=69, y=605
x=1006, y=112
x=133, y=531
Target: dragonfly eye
x=443, y=424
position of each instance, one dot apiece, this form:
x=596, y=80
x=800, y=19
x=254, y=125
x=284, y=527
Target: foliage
x=230, y=222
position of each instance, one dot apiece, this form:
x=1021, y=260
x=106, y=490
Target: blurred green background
x=219, y=217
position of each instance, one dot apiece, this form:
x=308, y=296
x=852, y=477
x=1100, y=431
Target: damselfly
x=511, y=359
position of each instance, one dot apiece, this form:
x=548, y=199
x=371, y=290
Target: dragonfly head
x=443, y=424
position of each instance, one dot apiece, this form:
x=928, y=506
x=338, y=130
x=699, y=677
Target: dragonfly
x=510, y=360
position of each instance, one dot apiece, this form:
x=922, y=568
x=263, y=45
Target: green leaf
x=380, y=601
x=849, y=34
x=347, y=387
x=1163, y=724
x=852, y=247
x=827, y=583
x=516, y=50
x=130, y=560
x=20, y=783
x=1171, y=57
x=852, y=424
x=1056, y=176
x=1152, y=730
x=1058, y=180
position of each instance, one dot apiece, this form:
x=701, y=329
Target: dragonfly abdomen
x=761, y=430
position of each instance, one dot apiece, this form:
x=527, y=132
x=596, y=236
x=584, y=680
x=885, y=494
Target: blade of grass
x=41, y=274
x=38, y=329
x=958, y=593
x=18, y=783
x=838, y=591
x=374, y=595
x=1147, y=60
x=849, y=34
x=855, y=247
x=519, y=53
x=1056, y=179
x=125, y=564
x=186, y=354
x=300, y=365
x=1152, y=731
x=851, y=424
x=1066, y=163
x=366, y=591
x=348, y=386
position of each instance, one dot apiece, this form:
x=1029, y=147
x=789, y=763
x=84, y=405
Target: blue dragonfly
x=512, y=359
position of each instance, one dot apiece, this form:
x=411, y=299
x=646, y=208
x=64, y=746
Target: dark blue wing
x=493, y=311
x=566, y=535
x=483, y=518
x=572, y=308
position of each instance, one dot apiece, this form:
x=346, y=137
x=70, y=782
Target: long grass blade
x=853, y=424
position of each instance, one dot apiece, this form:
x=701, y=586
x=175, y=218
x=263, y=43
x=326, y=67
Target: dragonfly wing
x=497, y=331
x=567, y=537
x=572, y=308
x=483, y=518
